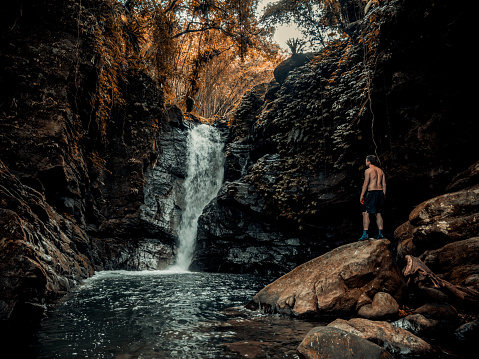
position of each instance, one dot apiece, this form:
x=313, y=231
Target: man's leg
x=379, y=222
x=366, y=221
x=365, y=226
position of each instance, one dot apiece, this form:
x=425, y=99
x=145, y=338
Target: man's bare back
x=376, y=180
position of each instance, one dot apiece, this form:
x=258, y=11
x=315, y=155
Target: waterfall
x=205, y=169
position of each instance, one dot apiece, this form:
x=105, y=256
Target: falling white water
x=205, y=166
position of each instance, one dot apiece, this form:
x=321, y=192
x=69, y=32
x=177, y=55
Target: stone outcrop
x=284, y=68
x=164, y=193
x=42, y=253
x=436, y=222
x=421, y=279
x=335, y=283
x=396, y=341
x=250, y=242
x=383, y=306
x=77, y=198
x=417, y=324
x=457, y=262
x=301, y=144
x=442, y=232
x=330, y=342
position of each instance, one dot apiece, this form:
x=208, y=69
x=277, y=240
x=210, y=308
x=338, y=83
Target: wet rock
x=466, y=336
x=146, y=254
x=439, y=221
x=396, y=341
x=333, y=283
x=329, y=342
x=164, y=192
x=383, y=306
x=42, y=256
x=443, y=312
x=417, y=324
x=456, y=262
x=249, y=243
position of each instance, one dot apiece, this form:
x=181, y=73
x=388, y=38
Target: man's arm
x=365, y=184
x=383, y=184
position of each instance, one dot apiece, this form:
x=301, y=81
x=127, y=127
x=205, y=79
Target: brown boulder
x=417, y=324
x=333, y=283
x=332, y=343
x=395, y=340
x=439, y=221
x=465, y=179
x=443, y=234
x=456, y=262
x=421, y=277
x=383, y=306
x=438, y=312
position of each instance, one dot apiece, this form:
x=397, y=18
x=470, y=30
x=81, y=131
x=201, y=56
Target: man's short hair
x=372, y=159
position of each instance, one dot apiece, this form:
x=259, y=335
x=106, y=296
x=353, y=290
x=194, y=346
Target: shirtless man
x=372, y=195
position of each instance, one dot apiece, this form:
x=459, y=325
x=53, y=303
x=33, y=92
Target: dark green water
x=154, y=314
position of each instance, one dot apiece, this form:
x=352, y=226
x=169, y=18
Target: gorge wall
x=75, y=193
x=295, y=164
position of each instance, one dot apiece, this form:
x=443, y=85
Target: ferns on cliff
x=318, y=116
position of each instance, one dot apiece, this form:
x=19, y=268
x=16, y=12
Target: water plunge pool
x=161, y=314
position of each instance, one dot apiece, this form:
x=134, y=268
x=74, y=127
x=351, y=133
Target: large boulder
x=395, y=340
x=382, y=306
x=457, y=262
x=329, y=343
x=443, y=233
x=335, y=283
x=441, y=220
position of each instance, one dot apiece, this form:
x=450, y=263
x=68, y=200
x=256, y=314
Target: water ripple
x=145, y=314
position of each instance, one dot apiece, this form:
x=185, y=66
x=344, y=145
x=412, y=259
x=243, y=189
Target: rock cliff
x=78, y=193
x=397, y=88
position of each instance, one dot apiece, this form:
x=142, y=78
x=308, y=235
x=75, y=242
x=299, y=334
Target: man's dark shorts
x=374, y=201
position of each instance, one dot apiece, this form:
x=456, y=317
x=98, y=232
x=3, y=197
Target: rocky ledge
x=337, y=283
x=427, y=310
x=42, y=254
